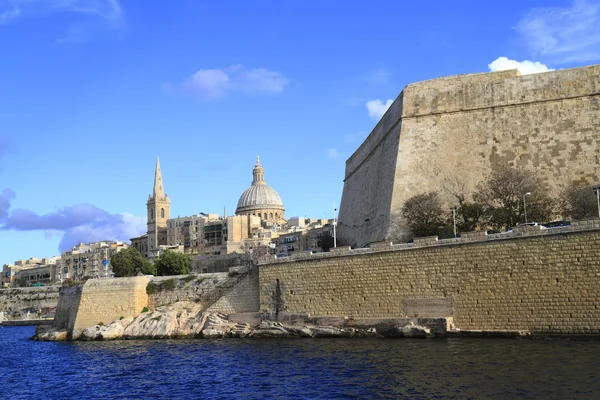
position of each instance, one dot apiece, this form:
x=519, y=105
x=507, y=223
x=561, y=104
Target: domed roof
x=259, y=195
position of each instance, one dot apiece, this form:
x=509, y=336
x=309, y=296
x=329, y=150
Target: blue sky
x=92, y=90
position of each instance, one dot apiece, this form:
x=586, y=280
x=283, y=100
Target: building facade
x=89, y=260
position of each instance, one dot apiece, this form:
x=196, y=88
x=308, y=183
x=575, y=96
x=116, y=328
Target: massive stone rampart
x=106, y=300
x=457, y=129
x=21, y=299
x=545, y=281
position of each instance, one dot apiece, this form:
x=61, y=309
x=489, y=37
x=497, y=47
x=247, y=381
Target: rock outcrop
x=187, y=320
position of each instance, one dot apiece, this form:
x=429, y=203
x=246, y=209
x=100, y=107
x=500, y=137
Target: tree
x=503, y=195
x=424, y=215
x=172, y=263
x=130, y=262
x=579, y=203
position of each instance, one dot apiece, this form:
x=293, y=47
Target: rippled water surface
x=298, y=368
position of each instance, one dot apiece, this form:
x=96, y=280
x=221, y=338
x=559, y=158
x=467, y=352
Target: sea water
x=298, y=368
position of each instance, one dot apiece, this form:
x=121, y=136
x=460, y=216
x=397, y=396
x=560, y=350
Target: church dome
x=259, y=196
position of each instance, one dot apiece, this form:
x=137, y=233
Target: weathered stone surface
x=408, y=331
x=547, y=123
x=114, y=330
x=49, y=333
x=176, y=320
x=546, y=284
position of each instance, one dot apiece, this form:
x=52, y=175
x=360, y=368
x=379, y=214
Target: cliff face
x=457, y=129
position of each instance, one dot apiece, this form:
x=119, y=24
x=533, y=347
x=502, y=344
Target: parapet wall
x=543, y=282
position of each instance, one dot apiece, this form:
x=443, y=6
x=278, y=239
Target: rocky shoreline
x=187, y=320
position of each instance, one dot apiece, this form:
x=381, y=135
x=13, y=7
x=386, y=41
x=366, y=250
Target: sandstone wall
x=226, y=292
x=39, y=298
x=456, y=129
x=546, y=283
x=105, y=300
x=67, y=308
x=242, y=298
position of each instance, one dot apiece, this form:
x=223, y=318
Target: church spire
x=158, y=192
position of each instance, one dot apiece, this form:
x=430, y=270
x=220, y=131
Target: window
x=265, y=215
x=271, y=215
x=162, y=212
x=151, y=213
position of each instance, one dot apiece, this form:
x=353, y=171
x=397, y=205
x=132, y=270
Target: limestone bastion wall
x=227, y=292
x=106, y=300
x=453, y=131
x=20, y=299
x=545, y=281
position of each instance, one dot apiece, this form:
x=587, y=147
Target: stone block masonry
x=22, y=299
x=546, y=283
x=453, y=131
x=101, y=301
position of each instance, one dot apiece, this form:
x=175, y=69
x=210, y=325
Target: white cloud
x=377, y=108
x=215, y=83
x=103, y=13
x=526, y=66
x=333, y=154
x=378, y=76
x=563, y=34
x=8, y=15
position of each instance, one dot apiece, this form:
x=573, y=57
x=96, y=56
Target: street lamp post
x=525, y=205
x=334, y=224
x=454, y=219
x=597, y=190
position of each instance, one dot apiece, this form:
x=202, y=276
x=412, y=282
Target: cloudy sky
x=92, y=90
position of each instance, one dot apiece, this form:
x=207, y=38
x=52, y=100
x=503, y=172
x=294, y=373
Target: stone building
x=30, y=272
x=159, y=208
x=453, y=131
x=261, y=199
x=91, y=259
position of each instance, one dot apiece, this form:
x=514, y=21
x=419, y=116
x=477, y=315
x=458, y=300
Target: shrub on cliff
x=171, y=263
x=130, y=262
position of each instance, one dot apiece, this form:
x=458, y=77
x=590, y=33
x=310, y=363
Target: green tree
x=424, y=215
x=130, y=262
x=503, y=195
x=579, y=203
x=172, y=263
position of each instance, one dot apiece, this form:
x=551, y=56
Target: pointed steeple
x=158, y=192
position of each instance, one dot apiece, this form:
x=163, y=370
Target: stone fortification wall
x=546, y=283
x=105, y=300
x=228, y=292
x=38, y=298
x=68, y=305
x=242, y=298
x=457, y=129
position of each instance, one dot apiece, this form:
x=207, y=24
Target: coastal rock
x=49, y=333
x=330, y=332
x=112, y=331
x=406, y=331
x=268, y=329
x=177, y=320
x=216, y=325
